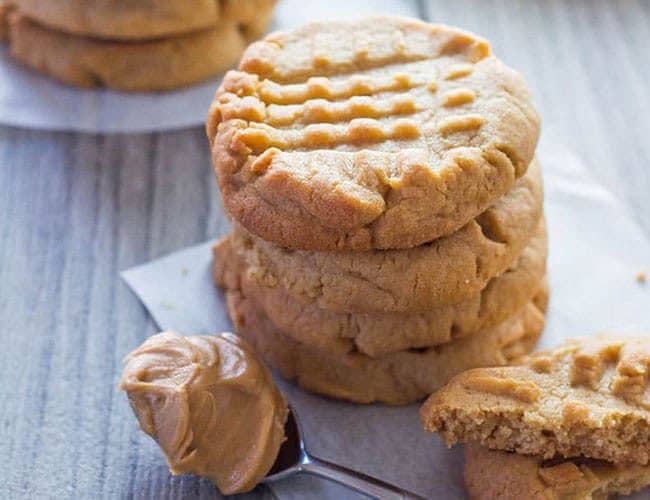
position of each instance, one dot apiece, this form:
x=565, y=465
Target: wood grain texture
x=76, y=209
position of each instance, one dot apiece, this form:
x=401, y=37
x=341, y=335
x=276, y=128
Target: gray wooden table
x=76, y=209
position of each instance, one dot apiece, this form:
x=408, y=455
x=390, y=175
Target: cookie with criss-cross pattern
x=499, y=475
x=381, y=133
x=588, y=397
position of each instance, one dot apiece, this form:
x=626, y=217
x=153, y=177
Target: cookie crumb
x=641, y=277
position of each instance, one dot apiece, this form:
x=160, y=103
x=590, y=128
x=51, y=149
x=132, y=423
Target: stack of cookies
x=571, y=423
x=387, y=206
x=135, y=46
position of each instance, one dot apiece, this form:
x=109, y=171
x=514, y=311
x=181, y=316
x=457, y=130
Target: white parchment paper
x=29, y=99
x=596, y=251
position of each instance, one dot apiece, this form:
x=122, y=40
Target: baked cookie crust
x=498, y=475
x=377, y=134
x=395, y=379
x=161, y=64
x=445, y=271
x=588, y=397
x=376, y=335
x=252, y=16
x=145, y=19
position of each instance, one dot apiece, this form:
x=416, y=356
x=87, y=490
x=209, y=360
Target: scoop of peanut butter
x=210, y=404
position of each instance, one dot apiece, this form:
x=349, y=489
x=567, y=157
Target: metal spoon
x=293, y=458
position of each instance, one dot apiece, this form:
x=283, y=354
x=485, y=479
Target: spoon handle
x=357, y=481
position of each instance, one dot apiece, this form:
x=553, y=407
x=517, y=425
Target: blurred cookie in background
x=150, y=46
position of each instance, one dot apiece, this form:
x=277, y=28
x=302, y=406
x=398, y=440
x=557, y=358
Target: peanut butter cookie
x=588, y=397
x=378, y=334
x=377, y=134
x=498, y=475
x=252, y=16
x=445, y=271
x=145, y=19
x=160, y=64
x=395, y=379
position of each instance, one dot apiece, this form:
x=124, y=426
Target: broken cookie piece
x=588, y=398
x=502, y=475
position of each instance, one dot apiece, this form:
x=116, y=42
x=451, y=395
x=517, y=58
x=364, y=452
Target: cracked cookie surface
x=382, y=133
x=395, y=379
x=498, y=475
x=588, y=397
x=378, y=334
x=445, y=271
x=160, y=64
x=145, y=19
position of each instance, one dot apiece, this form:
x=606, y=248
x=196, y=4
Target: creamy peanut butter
x=210, y=404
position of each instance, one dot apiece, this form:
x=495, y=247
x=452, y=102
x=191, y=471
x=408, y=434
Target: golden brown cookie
x=378, y=334
x=395, y=379
x=498, y=475
x=587, y=397
x=133, y=66
x=381, y=133
x=252, y=16
x=445, y=271
x=145, y=19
